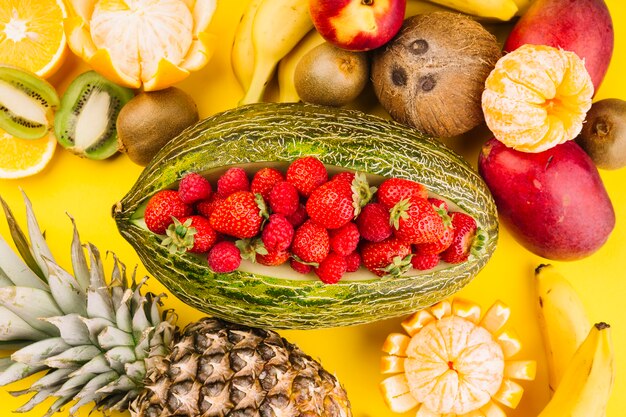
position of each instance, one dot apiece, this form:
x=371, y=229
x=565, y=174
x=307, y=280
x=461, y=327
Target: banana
x=415, y=7
x=562, y=320
x=277, y=27
x=495, y=9
x=588, y=380
x=242, y=52
x=522, y=6
x=287, y=66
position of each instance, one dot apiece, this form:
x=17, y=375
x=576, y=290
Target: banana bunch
x=580, y=356
x=492, y=9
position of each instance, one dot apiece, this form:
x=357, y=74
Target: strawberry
x=390, y=257
x=277, y=233
x=162, y=207
x=194, y=187
x=439, y=204
x=224, y=257
x=416, y=221
x=239, y=215
x=306, y=174
x=299, y=217
x=190, y=234
x=330, y=205
x=373, y=223
x=332, y=268
x=206, y=207
x=393, y=190
x=300, y=267
x=233, y=180
x=464, y=233
x=424, y=262
x=284, y=198
x=345, y=239
x=264, y=180
x=353, y=261
x=437, y=246
x=273, y=257
x=344, y=176
x=311, y=242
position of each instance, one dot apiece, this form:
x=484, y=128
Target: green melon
x=275, y=134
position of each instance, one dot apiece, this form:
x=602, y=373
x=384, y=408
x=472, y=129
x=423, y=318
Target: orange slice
x=32, y=35
x=22, y=157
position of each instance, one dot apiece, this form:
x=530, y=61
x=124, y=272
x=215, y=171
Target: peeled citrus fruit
x=154, y=43
x=24, y=157
x=453, y=363
x=537, y=97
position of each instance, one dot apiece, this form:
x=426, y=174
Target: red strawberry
x=345, y=239
x=190, y=234
x=332, y=268
x=344, y=176
x=311, y=242
x=239, y=215
x=284, y=198
x=299, y=217
x=300, y=267
x=393, y=190
x=439, y=245
x=194, y=187
x=224, y=257
x=464, y=233
x=439, y=204
x=160, y=209
x=233, y=180
x=353, y=261
x=424, y=262
x=330, y=205
x=278, y=233
x=390, y=257
x=273, y=258
x=264, y=180
x=206, y=207
x=416, y=221
x=373, y=223
x=307, y=174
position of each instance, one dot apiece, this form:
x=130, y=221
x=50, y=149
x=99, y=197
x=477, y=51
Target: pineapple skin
x=217, y=368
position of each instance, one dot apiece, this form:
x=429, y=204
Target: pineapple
x=109, y=344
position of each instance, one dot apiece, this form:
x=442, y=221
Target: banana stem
x=260, y=78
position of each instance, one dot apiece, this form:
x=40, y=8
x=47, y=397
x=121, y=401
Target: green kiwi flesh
x=86, y=121
x=27, y=103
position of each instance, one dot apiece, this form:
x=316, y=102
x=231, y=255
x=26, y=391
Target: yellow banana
x=562, y=320
x=242, y=52
x=522, y=6
x=495, y=9
x=277, y=27
x=287, y=66
x=415, y=7
x=588, y=380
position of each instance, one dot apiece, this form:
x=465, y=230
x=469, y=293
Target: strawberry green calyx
x=397, y=267
x=399, y=211
x=298, y=259
x=263, y=212
x=180, y=236
x=479, y=243
x=249, y=248
x=443, y=213
x=362, y=193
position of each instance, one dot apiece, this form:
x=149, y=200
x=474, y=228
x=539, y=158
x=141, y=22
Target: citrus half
x=22, y=157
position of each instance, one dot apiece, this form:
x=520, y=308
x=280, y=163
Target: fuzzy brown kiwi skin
x=330, y=76
x=432, y=74
x=151, y=119
x=603, y=136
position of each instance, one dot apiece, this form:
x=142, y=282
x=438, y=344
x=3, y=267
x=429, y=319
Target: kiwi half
x=86, y=121
x=27, y=103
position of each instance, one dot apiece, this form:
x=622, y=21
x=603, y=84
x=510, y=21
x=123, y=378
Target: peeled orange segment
x=466, y=309
x=493, y=410
x=525, y=370
x=441, y=309
x=392, y=364
x=397, y=394
x=510, y=343
x=22, y=157
x=496, y=317
x=32, y=36
x=396, y=344
x=509, y=394
x=415, y=322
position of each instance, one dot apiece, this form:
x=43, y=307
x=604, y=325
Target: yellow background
x=88, y=189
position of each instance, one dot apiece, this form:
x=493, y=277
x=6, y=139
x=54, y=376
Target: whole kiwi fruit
x=330, y=76
x=603, y=136
x=431, y=75
x=151, y=119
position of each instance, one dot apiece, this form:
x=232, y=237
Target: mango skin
x=581, y=26
x=553, y=202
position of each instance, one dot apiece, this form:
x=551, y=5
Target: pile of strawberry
x=328, y=226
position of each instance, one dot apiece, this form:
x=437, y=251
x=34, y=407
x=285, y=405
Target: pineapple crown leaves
x=362, y=193
x=92, y=340
x=180, y=236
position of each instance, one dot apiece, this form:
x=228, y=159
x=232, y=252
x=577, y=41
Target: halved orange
x=22, y=157
x=32, y=35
